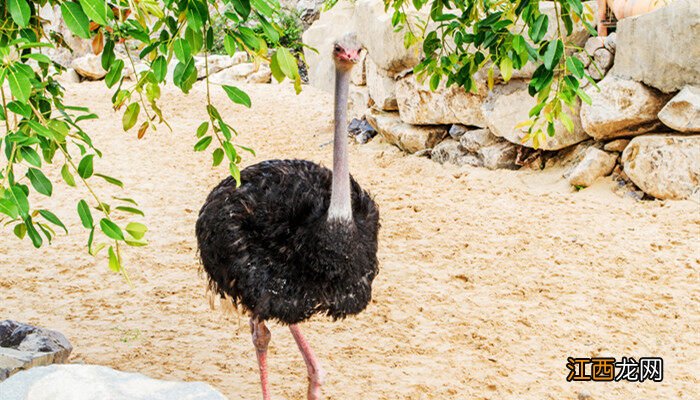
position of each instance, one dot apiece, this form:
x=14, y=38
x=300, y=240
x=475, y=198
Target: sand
x=489, y=279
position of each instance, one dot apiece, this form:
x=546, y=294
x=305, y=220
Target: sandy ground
x=489, y=279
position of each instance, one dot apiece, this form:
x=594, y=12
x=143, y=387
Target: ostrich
x=294, y=239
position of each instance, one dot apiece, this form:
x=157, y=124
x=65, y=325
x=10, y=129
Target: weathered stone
x=456, y=131
x=474, y=140
x=385, y=47
x=621, y=108
x=69, y=76
x=603, y=59
x=418, y=104
x=593, y=43
x=358, y=101
x=263, y=75
x=309, y=11
x=382, y=87
x=321, y=35
x=216, y=63
x=361, y=130
x=94, y=382
x=89, y=67
x=236, y=73
x=358, y=76
x=667, y=58
x=682, y=112
x=409, y=138
x=24, y=346
x=595, y=164
x=617, y=145
x=451, y=152
x=611, y=42
x=584, y=58
x=500, y=155
x=508, y=105
x=664, y=166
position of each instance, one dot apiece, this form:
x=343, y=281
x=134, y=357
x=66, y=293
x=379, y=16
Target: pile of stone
x=642, y=126
x=24, y=346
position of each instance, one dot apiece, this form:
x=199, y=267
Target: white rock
x=603, y=59
x=409, y=138
x=611, y=42
x=94, y=382
x=664, y=166
x=236, y=73
x=617, y=145
x=384, y=46
x=358, y=101
x=596, y=163
x=682, y=112
x=667, y=58
x=69, y=76
x=508, y=105
x=358, y=76
x=263, y=75
x=382, y=87
x=216, y=64
x=418, y=104
x=500, y=155
x=474, y=140
x=89, y=67
x=621, y=108
x=593, y=43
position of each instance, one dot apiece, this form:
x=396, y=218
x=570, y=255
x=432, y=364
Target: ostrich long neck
x=340, y=208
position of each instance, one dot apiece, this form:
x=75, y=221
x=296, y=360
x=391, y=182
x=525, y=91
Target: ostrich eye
x=336, y=48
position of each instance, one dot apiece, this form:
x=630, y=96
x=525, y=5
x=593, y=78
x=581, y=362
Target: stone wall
x=642, y=126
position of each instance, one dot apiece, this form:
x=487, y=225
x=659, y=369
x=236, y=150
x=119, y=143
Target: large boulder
x=508, y=105
x=382, y=87
x=24, y=346
x=682, y=112
x=95, y=382
x=89, y=67
x=409, y=138
x=236, y=73
x=621, y=107
x=447, y=105
x=385, y=46
x=664, y=166
x=332, y=25
x=661, y=48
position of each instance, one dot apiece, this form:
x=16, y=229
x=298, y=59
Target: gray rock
x=603, y=59
x=94, y=382
x=617, y=145
x=476, y=139
x=409, y=138
x=682, y=112
x=24, y=346
x=361, y=130
x=595, y=164
x=451, y=152
x=610, y=42
x=664, y=166
x=667, y=58
x=499, y=155
x=622, y=107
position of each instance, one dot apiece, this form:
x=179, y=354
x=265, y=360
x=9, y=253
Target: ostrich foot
x=316, y=373
x=261, y=338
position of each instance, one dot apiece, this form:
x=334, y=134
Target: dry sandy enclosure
x=489, y=279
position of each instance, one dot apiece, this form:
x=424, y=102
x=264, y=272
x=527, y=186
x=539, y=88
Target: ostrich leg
x=313, y=368
x=261, y=338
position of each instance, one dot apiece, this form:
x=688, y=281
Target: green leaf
x=203, y=143
x=8, y=208
x=33, y=234
x=40, y=182
x=185, y=75
x=20, y=86
x=202, y=129
x=230, y=45
x=20, y=12
x=539, y=28
x=217, y=156
x=130, y=210
x=237, y=95
x=85, y=214
x=131, y=115
x=137, y=230
x=552, y=55
x=242, y=7
x=276, y=70
x=160, y=68
x=20, y=230
x=114, y=263
x=567, y=122
x=108, y=55
x=51, y=217
x=111, y=229
x=97, y=10
x=114, y=73
x=75, y=19
x=575, y=66
x=287, y=63
x=85, y=167
x=111, y=180
x=434, y=82
x=182, y=50
x=126, y=200
x=20, y=198
x=194, y=39
x=30, y=155
x=41, y=58
x=235, y=173
x=506, y=67
x=67, y=176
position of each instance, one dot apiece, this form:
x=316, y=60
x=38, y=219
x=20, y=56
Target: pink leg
x=316, y=373
x=261, y=338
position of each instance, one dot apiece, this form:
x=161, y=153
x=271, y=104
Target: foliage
x=290, y=31
x=43, y=133
x=461, y=37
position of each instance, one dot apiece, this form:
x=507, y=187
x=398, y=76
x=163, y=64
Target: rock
x=584, y=58
x=385, y=47
x=216, y=63
x=409, y=138
x=603, y=59
x=610, y=42
x=89, y=67
x=321, y=35
x=621, y=108
x=595, y=164
x=508, y=105
x=358, y=101
x=500, y=155
x=69, y=76
x=682, y=112
x=593, y=43
x=664, y=166
x=456, y=131
x=666, y=59
x=475, y=139
x=382, y=88
x=418, y=104
x=236, y=73
x=358, y=76
x=361, y=130
x=95, y=382
x=450, y=151
x=239, y=57
x=584, y=395
x=263, y=75
x=309, y=11
x=52, y=20
x=616, y=145
x=24, y=346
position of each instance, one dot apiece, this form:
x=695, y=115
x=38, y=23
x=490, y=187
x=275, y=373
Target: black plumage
x=271, y=247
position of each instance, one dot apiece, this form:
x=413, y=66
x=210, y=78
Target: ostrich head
x=346, y=52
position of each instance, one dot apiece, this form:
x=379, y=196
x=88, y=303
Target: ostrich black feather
x=270, y=246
